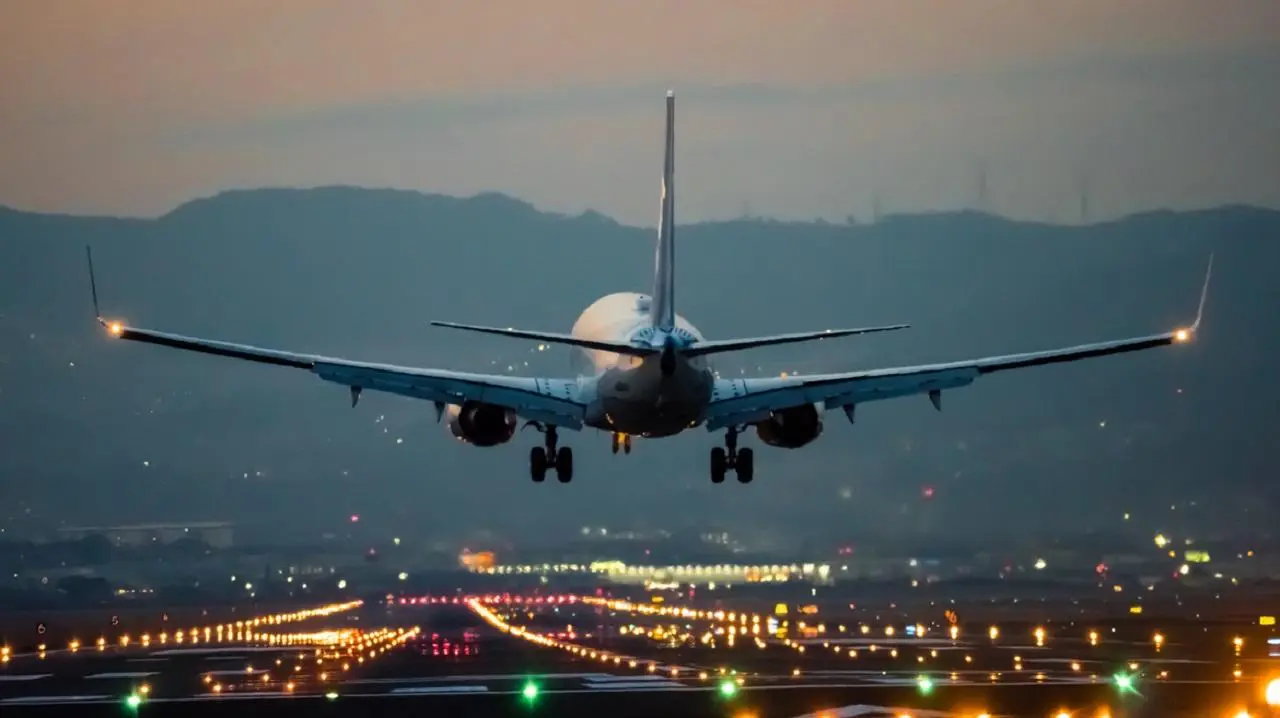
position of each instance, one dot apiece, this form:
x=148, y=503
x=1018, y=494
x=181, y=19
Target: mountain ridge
x=491, y=198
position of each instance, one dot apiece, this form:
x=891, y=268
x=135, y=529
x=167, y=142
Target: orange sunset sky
x=803, y=108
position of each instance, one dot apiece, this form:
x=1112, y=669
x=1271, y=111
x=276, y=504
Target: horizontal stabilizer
x=733, y=345
x=554, y=338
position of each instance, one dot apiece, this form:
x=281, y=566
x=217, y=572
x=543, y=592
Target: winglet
x=93, y=283
x=1186, y=333
x=116, y=328
x=1204, y=294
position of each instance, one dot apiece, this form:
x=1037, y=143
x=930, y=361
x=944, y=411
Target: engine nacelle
x=791, y=428
x=480, y=424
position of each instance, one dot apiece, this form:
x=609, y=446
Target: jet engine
x=481, y=424
x=791, y=428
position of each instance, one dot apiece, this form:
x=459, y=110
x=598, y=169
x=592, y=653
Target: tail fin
x=664, y=280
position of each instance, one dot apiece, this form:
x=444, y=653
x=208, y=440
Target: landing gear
x=741, y=462
x=546, y=457
x=622, y=441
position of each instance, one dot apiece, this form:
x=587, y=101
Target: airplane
x=641, y=369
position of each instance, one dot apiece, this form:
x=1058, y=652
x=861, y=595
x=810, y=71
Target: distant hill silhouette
x=358, y=273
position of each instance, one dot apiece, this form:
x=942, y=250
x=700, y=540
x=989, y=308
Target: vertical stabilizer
x=664, y=280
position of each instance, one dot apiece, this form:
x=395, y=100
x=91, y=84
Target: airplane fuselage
x=630, y=394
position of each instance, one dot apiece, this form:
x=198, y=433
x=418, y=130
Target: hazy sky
x=801, y=108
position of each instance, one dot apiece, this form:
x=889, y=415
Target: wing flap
x=552, y=401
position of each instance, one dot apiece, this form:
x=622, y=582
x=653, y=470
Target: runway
x=576, y=656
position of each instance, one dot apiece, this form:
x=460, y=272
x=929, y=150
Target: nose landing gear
x=731, y=458
x=622, y=441
x=546, y=457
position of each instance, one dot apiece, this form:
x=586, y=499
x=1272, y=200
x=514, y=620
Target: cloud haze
x=791, y=109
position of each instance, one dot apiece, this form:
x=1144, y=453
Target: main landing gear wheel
x=538, y=464
x=729, y=458
x=564, y=464
x=546, y=457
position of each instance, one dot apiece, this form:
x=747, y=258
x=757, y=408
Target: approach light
x=1272, y=695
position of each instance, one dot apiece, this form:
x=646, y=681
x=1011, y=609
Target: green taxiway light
x=530, y=691
x=925, y=684
x=728, y=689
x=332, y=695
x=133, y=701
x=1124, y=682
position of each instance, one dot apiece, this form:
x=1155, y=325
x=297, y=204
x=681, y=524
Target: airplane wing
x=552, y=401
x=745, y=401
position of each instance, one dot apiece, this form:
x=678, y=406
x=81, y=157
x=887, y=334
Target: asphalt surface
x=453, y=660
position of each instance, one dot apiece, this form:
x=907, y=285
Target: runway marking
x=427, y=690
x=5, y=677
x=52, y=699
x=625, y=679
x=938, y=643
x=481, y=677
x=243, y=672
x=228, y=649
x=865, y=710
x=648, y=688
x=634, y=685
x=122, y=674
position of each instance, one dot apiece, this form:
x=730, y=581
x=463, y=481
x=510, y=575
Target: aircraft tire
x=745, y=467
x=719, y=463
x=564, y=465
x=538, y=464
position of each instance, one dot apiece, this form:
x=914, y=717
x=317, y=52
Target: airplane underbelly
x=643, y=403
